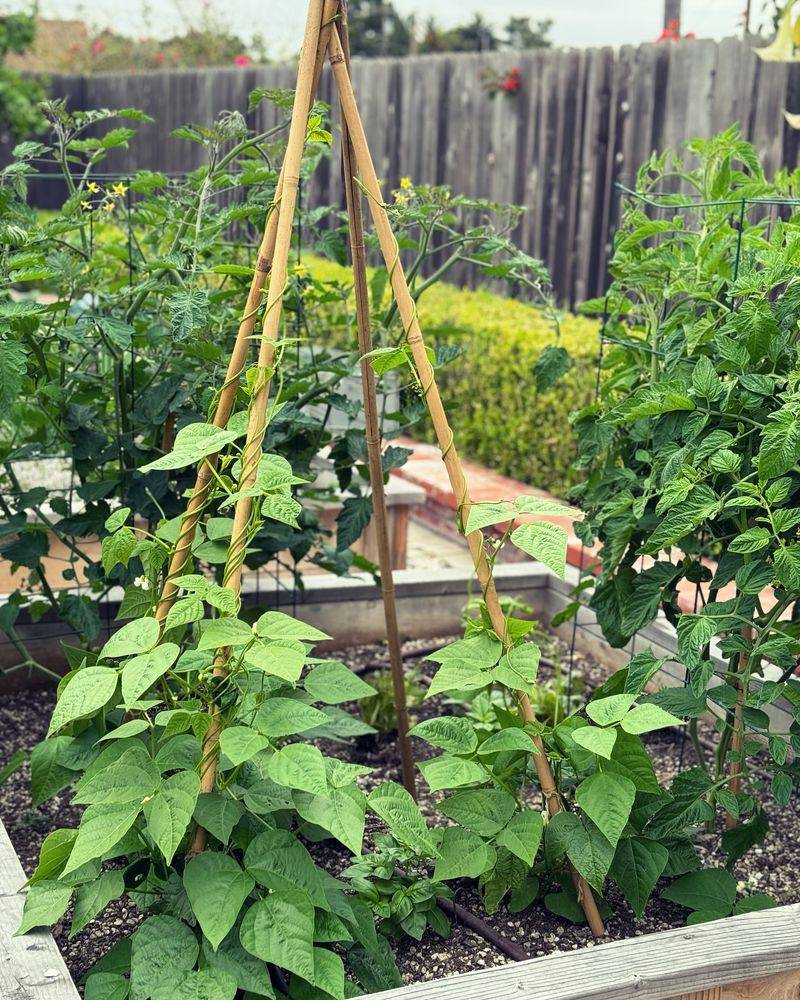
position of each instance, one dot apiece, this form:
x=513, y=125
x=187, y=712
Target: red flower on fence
x=242, y=60
x=510, y=83
x=672, y=33
x=513, y=81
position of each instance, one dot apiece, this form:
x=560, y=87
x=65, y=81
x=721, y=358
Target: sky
x=576, y=22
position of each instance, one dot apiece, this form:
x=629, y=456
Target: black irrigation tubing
x=461, y=915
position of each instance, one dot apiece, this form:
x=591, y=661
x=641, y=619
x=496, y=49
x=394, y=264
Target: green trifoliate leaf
x=452, y=733
x=630, y=759
x=451, y=772
x=240, y=743
x=131, y=728
x=117, y=519
x=300, y=766
x=102, y=827
x=106, y=986
x=184, y=612
x=641, y=669
x=48, y=775
x=523, y=834
x=163, y=951
x=518, y=667
x=279, y=717
x=462, y=854
x=222, y=633
x=709, y=889
x=485, y=811
x=607, y=799
x=341, y=811
x=205, y=984
x=218, y=813
x=606, y=711
x=53, y=854
x=544, y=541
x=400, y=812
x=217, y=887
x=169, y=812
x=136, y=637
x=249, y=972
x=93, y=897
x=638, y=864
x=480, y=652
x=129, y=779
x=85, y=693
x=45, y=904
x=508, y=740
x=277, y=625
x=333, y=683
x=585, y=846
x=277, y=860
x=482, y=515
x=280, y=930
x=597, y=740
x=283, y=658
x=118, y=548
x=453, y=677
x=192, y=443
x=141, y=672
x=646, y=718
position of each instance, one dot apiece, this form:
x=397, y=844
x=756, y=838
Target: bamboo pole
x=373, y=436
x=444, y=434
x=241, y=348
x=257, y=421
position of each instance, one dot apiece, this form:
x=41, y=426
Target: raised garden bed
x=749, y=947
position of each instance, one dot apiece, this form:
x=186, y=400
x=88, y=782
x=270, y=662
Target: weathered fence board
x=582, y=120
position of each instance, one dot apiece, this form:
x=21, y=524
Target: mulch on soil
x=771, y=867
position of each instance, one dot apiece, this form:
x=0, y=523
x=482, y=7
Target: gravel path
x=772, y=867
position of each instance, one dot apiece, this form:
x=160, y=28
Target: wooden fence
x=583, y=120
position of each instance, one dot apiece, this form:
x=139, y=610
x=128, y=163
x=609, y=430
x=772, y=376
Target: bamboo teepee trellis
x=322, y=35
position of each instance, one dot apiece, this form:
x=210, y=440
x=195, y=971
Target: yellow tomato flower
x=400, y=198
x=93, y=187
x=86, y=206
x=119, y=189
x=108, y=206
x=405, y=183
x=301, y=270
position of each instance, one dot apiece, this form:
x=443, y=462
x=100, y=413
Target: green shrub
x=490, y=388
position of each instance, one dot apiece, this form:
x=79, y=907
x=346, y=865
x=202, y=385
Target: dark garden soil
x=771, y=867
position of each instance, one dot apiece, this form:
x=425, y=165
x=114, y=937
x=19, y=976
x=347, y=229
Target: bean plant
x=691, y=456
x=617, y=824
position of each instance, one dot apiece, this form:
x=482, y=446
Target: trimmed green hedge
x=498, y=416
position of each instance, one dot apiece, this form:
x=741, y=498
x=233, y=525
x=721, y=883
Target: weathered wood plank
x=722, y=956
x=582, y=120
x=31, y=967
